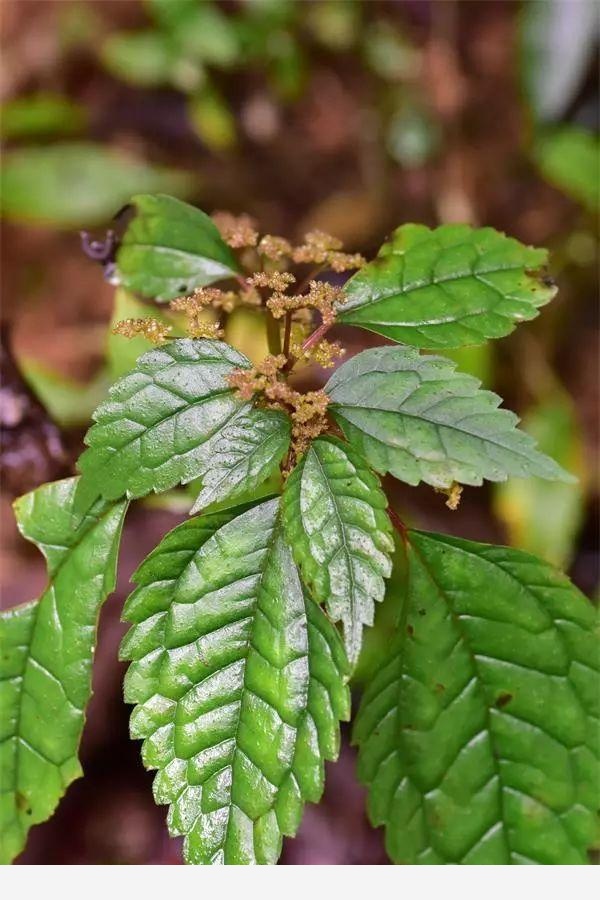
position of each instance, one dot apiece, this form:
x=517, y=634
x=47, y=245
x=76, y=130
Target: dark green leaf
x=144, y=58
x=239, y=679
x=175, y=418
x=170, y=248
x=450, y=286
x=47, y=650
x=340, y=534
x=417, y=418
x=68, y=185
x=478, y=735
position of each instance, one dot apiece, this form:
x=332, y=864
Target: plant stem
x=287, y=334
x=398, y=523
x=273, y=335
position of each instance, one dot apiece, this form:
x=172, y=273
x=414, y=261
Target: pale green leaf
x=417, y=418
x=170, y=248
x=239, y=680
x=47, y=651
x=540, y=517
x=569, y=158
x=76, y=184
x=478, y=736
x=340, y=534
x=172, y=419
x=451, y=286
x=246, y=453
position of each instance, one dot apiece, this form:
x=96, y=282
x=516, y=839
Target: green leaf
x=340, y=534
x=47, y=650
x=417, y=418
x=569, y=158
x=41, y=114
x=141, y=58
x=247, y=451
x=70, y=403
x=68, y=185
x=540, y=517
x=239, y=679
x=170, y=248
x=479, y=734
x=165, y=424
x=450, y=286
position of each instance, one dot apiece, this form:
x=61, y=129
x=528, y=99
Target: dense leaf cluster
x=477, y=731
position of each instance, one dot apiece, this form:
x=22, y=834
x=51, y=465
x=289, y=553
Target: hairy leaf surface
x=417, y=418
x=47, y=649
x=340, y=534
x=239, y=679
x=450, y=286
x=173, y=419
x=479, y=733
x=170, y=248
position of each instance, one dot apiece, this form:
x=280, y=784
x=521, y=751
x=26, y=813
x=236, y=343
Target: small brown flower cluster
x=153, y=330
x=307, y=411
x=321, y=296
x=193, y=307
x=453, y=493
x=276, y=281
x=237, y=231
x=323, y=354
x=259, y=379
x=324, y=250
x=274, y=247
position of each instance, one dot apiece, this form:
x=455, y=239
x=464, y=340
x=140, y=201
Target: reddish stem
x=398, y=523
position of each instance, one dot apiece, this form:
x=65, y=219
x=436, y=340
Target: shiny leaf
x=451, y=286
x=170, y=248
x=417, y=418
x=239, y=679
x=246, y=452
x=47, y=651
x=478, y=735
x=340, y=534
x=170, y=421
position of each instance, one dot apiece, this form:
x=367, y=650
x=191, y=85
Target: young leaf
x=417, y=418
x=173, y=419
x=337, y=527
x=247, y=451
x=170, y=248
x=451, y=286
x=239, y=679
x=47, y=650
x=478, y=735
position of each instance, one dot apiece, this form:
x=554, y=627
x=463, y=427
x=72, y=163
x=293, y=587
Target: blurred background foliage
x=344, y=115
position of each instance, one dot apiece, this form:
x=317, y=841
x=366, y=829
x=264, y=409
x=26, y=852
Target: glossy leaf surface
x=340, y=534
x=47, y=650
x=173, y=419
x=479, y=733
x=246, y=453
x=239, y=679
x=170, y=248
x=417, y=418
x=451, y=286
